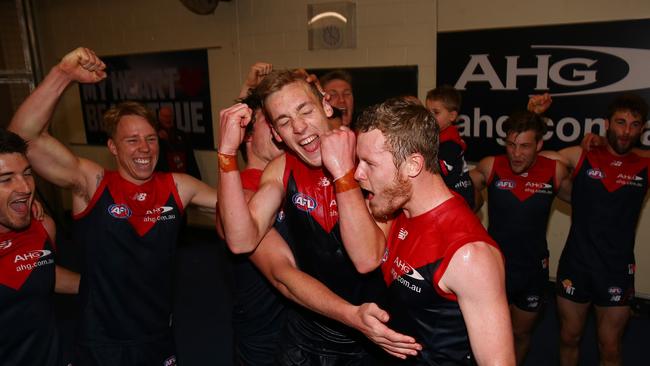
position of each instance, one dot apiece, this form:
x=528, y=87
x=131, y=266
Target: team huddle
x=356, y=240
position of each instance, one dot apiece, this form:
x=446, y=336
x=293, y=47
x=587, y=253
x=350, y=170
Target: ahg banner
x=582, y=66
x=179, y=80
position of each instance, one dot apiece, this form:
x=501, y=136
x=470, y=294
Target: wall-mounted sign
x=583, y=67
x=179, y=80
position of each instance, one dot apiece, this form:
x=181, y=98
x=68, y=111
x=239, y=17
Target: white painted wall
x=240, y=32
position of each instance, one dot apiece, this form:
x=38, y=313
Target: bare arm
x=274, y=258
x=66, y=281
x=564, y=182
x=256, y=73
x=195, y=192
x=364, y=240
x=245, y=224
x=479, y=176
x=569, y=156
x=49, y=157
x=476, y=275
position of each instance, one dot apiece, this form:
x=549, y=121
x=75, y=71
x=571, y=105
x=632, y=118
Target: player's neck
x=256, y=162
x=429, y=191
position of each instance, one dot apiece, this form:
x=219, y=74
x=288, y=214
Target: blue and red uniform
x=453, y=167
x=597, y=264
x=518, y=209
x=311, y=216
x=259, y=309
x=128, y=234
x=418, y=253
x=27, y=276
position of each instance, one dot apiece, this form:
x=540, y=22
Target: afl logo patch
x=506, y=184
x=119, y=211
x=303, y=202
x=595, y=174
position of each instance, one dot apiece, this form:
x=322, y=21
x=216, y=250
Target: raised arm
x=256, y=73
x=476, y=275
x=480, y=176
x=363, y=239
x=569, y=156
x=275, y=260
x=49, y=157
x=244, y=224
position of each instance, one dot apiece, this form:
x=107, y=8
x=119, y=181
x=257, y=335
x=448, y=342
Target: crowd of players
x=353, y=246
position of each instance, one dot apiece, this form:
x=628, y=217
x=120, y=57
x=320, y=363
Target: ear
x=414, y=164
x=275, y=134
x=606, y=124
x=540, y=143
x=454, y=115
x=111, y=146
x=327, y=108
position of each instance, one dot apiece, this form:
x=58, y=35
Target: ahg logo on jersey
x=32, y=255
x=119, y=211
x=157, y=214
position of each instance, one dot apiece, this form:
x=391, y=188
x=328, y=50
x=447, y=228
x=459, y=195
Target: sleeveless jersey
x=453, y=168
x=606, y=199
x=29, y=335
x=128, y=234
x=312, y=221
x=259, y=310
x=518, y=211
x=418, y=253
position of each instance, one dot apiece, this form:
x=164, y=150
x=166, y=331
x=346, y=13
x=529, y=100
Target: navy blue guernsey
x=28, y=335
x=259, y=311
x=607, y=197
x=128, y=234
x=518, y=211
x=453, y=168
x=418, y=253
x=312, y=221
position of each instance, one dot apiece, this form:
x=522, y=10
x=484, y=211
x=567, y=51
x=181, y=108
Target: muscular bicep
x=476, y=275
x=58, y=165
x=266, y=202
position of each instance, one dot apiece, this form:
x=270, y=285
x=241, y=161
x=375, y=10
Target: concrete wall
x=240, y=32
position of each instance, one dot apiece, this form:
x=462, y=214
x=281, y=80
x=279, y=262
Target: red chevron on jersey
x=142, y=205
x=537, y=180
x=315, y=192
x=615, y=171
x=21, y=252
x=250, y=179
x=451, y=134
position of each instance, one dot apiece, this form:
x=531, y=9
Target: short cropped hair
x=522, y=121
x=408, y=128
x=338, y=74
x=11, y=143
x=278, y=79
x=630, y=102
x=113, y=115
x=448, y=95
